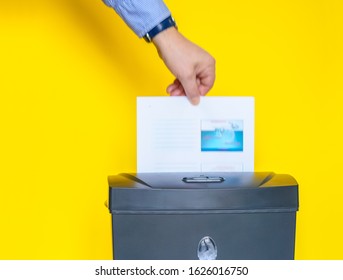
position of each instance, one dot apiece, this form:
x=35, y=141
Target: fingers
x=188, y=87
x=206, y=84
x=206, y=77
x=191, y=89
x=197, y=86
x=176, y=89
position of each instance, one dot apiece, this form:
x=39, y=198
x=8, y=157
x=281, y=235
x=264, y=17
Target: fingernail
x=195, y=100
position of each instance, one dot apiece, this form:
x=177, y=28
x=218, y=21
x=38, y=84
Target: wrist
x=164, y=37
x=165, y=24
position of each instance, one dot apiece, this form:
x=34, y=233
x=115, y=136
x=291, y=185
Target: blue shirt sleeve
x=140, y=15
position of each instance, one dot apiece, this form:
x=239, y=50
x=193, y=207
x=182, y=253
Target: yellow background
x=70, y=73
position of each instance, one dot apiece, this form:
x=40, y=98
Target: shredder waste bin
x=238, y=215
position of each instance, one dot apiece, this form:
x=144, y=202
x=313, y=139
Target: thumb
x=191, y=89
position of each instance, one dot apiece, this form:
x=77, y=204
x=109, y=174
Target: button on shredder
x=207, y=249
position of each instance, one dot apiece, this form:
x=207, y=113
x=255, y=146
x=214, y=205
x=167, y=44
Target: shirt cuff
x=140, y=15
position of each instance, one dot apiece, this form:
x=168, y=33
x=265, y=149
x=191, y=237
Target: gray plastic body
x=248, y=215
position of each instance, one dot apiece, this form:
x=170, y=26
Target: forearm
x=192, y=66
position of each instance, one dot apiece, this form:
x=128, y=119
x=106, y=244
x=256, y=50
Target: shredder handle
x=203, y=179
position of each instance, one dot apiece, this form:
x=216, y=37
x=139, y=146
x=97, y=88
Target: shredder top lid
x=202, y=192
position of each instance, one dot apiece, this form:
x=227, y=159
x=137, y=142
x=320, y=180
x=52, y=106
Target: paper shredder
x=238, y=215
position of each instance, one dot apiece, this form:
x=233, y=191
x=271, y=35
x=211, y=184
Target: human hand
x=192, y=66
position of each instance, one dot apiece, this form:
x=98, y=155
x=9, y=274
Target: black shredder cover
x=209, y=192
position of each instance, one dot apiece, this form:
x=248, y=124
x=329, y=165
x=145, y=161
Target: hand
x=193, y=67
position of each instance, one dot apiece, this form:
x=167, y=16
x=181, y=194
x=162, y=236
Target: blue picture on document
x=222, y=135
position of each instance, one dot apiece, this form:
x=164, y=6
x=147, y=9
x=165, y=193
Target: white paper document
x=175, y=136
